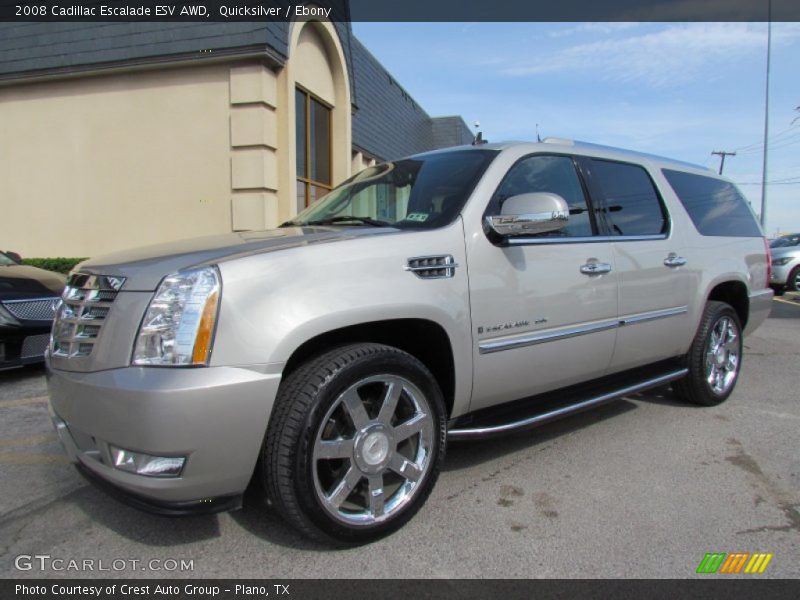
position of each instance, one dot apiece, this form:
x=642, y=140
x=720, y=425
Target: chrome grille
x=85, y=304
x=432, y=267
x=39, y=309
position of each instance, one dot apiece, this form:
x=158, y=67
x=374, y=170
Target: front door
x=544, y=308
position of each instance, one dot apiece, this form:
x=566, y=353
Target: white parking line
x=24, y=401
x=33, y=440
x=789, y=302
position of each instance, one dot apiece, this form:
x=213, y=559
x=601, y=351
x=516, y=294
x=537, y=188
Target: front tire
x=355, y=443
x=715, y=357
x=793, y=281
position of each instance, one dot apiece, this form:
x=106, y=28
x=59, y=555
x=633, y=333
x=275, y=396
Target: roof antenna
x=478, y=139
x=538, y=137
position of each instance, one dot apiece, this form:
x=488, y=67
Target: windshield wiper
x=346, y=218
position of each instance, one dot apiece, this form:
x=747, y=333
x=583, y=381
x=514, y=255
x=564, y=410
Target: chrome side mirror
x=529, y=214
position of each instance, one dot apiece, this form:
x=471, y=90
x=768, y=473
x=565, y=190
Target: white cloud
x=593, y=28
x=673, y=55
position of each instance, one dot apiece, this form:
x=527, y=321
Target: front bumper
x=780, y=273
x=22, y=345
x=216, y=417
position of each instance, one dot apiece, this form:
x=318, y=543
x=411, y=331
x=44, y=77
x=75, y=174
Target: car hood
x=143, y=268
x=18, y=282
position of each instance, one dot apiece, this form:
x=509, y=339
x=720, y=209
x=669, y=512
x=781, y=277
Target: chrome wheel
x=795, y=280
x=722, y=355
x=373, y=450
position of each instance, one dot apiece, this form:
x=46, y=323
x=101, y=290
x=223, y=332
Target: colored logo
x=737, y=562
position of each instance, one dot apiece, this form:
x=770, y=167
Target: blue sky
x=676, y=89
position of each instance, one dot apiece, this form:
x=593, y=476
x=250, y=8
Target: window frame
x=306, y=178
x=602, y=210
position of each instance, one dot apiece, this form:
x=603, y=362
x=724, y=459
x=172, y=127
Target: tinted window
x=716, y=207
x=555, y=174
x=785, y=241
x=631, y=203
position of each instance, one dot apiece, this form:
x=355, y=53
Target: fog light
x=146, y=464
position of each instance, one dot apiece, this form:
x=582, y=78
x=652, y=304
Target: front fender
x=273, y=303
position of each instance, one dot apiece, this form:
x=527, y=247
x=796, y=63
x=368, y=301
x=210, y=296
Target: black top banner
x=401, y=10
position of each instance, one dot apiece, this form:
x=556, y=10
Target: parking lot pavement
x=643, y=487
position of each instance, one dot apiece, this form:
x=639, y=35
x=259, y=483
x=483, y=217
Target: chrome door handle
x=673, y=260
x=595, y=268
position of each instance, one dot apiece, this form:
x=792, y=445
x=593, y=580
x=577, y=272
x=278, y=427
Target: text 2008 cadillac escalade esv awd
x=451, y=295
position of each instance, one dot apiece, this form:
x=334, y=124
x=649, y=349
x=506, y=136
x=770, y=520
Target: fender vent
x=432, y=267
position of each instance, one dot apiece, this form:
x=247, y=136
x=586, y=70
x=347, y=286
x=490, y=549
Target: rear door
x=655, y=285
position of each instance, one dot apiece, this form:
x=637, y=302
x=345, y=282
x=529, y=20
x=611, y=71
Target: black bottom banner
x=349, y=589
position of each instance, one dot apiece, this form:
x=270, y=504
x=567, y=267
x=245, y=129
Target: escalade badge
x=494, y=328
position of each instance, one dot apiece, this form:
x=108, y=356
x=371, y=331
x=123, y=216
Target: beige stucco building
x=138, y=140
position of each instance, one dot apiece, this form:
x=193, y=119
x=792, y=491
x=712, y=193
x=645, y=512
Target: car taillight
x=769, y=262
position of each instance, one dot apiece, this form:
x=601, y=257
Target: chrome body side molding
x=489, y=346
x=653, y=315
x=469, y=433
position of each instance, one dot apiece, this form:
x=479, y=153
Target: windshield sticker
x=419, y=217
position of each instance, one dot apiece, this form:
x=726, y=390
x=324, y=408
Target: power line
x=774, y=144
x=784, y=181
x=771, y=183
x=756, y=146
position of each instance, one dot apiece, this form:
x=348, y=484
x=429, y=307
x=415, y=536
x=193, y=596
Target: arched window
x=314, y=147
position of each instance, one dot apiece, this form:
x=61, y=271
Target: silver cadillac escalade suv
x=451, y=295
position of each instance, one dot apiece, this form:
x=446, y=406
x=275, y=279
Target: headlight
x=779, y=262
x=178, y=326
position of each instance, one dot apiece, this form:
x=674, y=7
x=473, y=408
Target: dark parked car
x=28, y=300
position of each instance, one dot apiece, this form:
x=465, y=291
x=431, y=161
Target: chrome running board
x=469, y=433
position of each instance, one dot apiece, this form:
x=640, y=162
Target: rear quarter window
x=715, y=206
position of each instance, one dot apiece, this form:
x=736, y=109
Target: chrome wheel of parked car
x=722, y=355
x=793, y=282
x=355, y=443
x=373, y=449
x=715, y=357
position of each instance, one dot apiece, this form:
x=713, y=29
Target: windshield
x=5, y=261
x=785, y=241
x=421, y=192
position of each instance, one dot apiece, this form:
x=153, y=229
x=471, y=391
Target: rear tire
x=355, y=443
x=715, y=357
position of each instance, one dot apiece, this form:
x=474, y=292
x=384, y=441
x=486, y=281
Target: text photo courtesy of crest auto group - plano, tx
x=450, y=299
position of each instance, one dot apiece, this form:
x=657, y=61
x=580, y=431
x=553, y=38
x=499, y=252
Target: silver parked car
x=451, y=295
x=786, y=263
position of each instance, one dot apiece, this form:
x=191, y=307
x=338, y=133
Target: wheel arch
x=732, y=292
x=424, y=339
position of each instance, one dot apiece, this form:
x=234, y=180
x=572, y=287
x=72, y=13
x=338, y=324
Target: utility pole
x=766, y=120
x=723, y=154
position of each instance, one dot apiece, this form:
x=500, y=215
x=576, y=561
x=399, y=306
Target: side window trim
x=533, y=240
x=599, y=201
